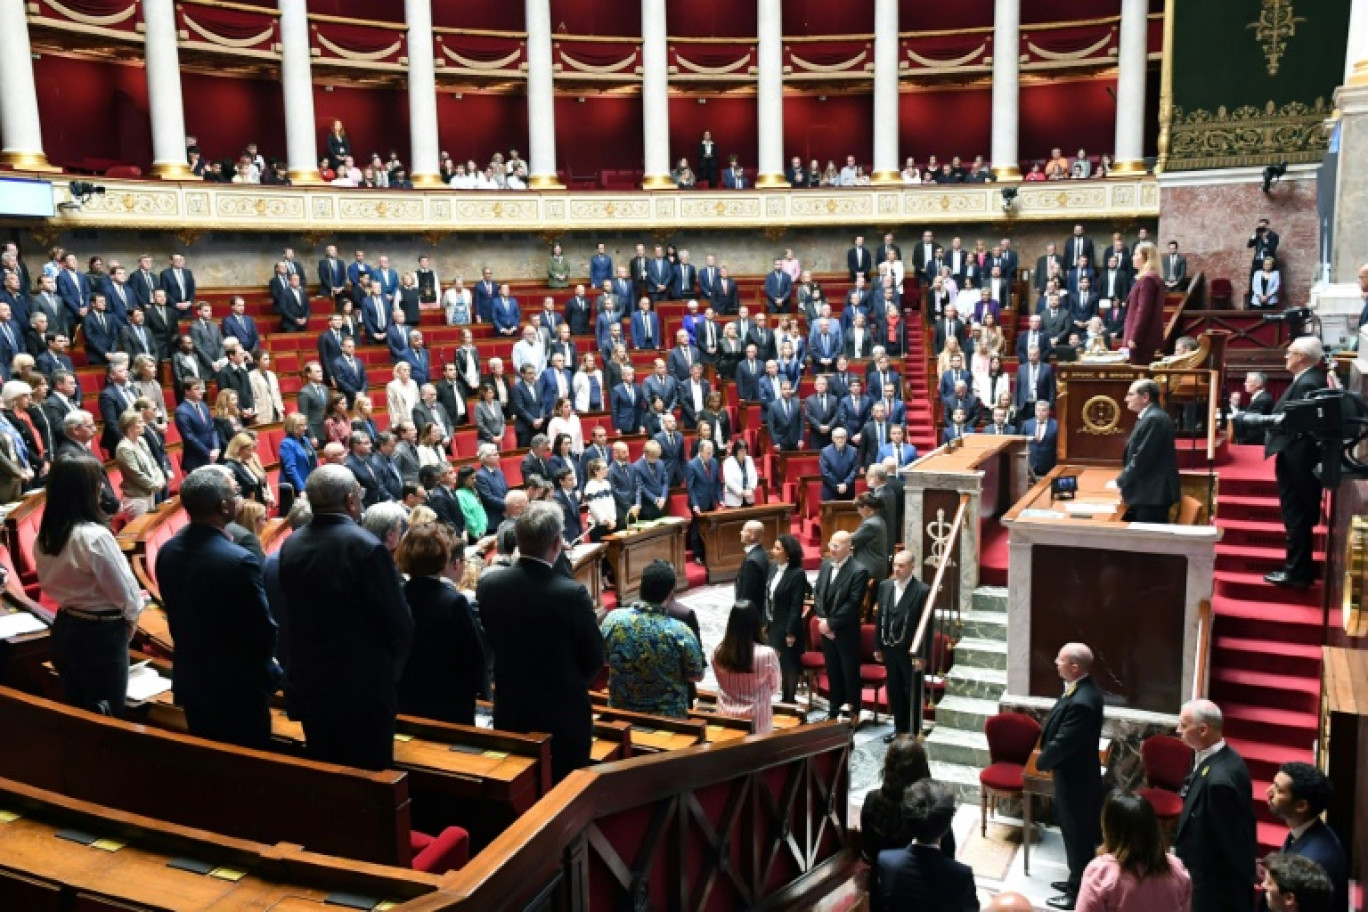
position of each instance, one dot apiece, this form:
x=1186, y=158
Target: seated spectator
x=883, y=825
x=921, y=875
x=1082, y=168
x=734, y=177
x=1132, y=872
x=911, y=174
x=958, y=427
x=747, y=670
x=446, y=670
x=652, y=658
x=683, y=175
x=1057, y=168
x=1104, y=166
x=1035, y=174
x=830, y=176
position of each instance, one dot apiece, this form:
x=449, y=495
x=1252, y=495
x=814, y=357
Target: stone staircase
x=957, y=747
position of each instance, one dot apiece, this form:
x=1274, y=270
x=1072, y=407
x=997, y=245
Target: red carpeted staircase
x=921, y=427
x=1265, y=658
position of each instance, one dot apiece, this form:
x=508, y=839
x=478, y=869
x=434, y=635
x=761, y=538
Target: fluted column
x=541, y=99
x=1356, y=54
x=1006, y=88
x=296, y=81
x=1129, y=153
x=422, y=95
x=655, y=97
x=886, y=122
x=770, y=94
x=164, y=102
x=20, y=129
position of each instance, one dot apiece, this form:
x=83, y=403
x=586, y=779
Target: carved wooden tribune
x=630, y=552
x=1094, y=422
x=721, y=531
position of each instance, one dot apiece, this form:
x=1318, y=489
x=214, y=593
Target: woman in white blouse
x=894, y=267
x=565, y=421
x=911, y=174
x=738, y=477
x=967, y=297
x=266, y=391
x=430, y=446
x=456, y=303
x=401, y=394
x=81, y=568
x=598, y=494
x=583, y=386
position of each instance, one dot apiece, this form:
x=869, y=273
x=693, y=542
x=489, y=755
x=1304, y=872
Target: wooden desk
x=721, y=531
x=23, y=655
x=631, y=551
x=585, y=561
x=1039, y=784
x=653, y=734
x=992, y=470
x=1131, y=591
x=145, y=864
x=837, y=516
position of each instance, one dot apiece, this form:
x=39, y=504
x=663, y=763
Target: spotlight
x=1272, y=174
x=82, y=191
x=1009, y=195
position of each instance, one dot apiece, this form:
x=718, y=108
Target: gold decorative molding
x=1247, y=135
x=1165, y=90
x=1276, y=23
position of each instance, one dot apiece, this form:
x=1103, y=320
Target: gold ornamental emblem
x=1101, y=416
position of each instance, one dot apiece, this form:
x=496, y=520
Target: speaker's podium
x=632, y=549
x=721, y=532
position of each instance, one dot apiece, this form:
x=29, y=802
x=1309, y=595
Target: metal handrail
x=947, y=556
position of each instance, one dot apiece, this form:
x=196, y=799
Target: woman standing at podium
x=1144, y=331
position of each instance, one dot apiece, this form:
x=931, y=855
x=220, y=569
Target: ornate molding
x=1275, y=24
x=1248, y=135
x=171, y=206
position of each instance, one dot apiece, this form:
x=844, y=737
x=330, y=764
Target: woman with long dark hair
x=747, y=670
x=1132, y=872
x=82, y=569
x=785, y=591
x=882, y=824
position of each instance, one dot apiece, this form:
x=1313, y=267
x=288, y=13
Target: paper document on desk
x=1087, y=508
x=145, y=682
x=19, y=623
x=1041, y=514
x=1193, y=531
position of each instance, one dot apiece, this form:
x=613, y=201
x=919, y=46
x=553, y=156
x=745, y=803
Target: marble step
x=990, y=598
x=965, y=713
x=964, y=779
x=976, y=652
x=984, y=625
x=982, y=683
x=952, y=745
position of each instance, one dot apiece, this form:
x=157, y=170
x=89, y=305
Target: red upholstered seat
x=873, y=674
x=1011, y=738
x=812, y=664
x=1004, y=777
x=1167, y=805
x=448, y=851
x=1166, y=760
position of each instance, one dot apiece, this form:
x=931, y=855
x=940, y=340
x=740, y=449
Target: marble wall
x=1212, y=215
x=239, y=258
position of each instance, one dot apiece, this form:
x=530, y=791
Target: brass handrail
x=947, y=557
x=1199, y=673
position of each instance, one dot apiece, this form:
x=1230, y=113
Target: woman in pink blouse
x=747, y=670
x=1132, y=873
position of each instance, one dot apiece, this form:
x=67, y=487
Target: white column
x=886, y=165
x=1129, y=155
x=296, y=81
x=164, y=90
x=1006, y=88
x=541, y=99
x=770, y=94
x=20, y=129
x=1356, y=54
x=422, y=95
x=655, y=97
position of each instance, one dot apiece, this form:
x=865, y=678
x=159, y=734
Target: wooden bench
x=194, y=782
x=62, y=854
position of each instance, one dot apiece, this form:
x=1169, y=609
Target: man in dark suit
x=332, y=275
x=869, y=542
x=579, y=313
x=1298, y=795
x=701, y=477
x=348, y=373
x=1043, y=268
x=179, y=283
x=838, y=598
x=207, y=339
x=527, y=406
x=135, y=338
x=1033, y=337
x=1175, y=269
x=1260, y=403
x=234, y=376
x=839, y=464
x=1035, y=382
x=1215, y=836
x=859, y=261
x=73, y=287
x=1299, y=491
x=163, y=321
x=1149, y=473
x=1042, y=449
x=358, y=462
x=101, y=332
x=1068, y=748
x=672, y=449
x=784, y=417
x=225, y=671
x=546, y=642
x=313, y=401
x=901, y=603
x=725, y=300
x=754, y=572
x=627, y=404
x=653, y=482
x=921, y=876
x=948, y=326
x=683, y=356
x=199, y=440
x=778, y=288
x=1075, y=247
x=348, y=626
x=820, y=411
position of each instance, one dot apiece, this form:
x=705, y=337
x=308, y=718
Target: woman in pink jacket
x=1132, y=872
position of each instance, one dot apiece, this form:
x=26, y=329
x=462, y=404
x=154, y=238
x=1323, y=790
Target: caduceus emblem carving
x=938, y=530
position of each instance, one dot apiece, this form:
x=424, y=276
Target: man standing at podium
x=1149, y=473
x=1068, y=748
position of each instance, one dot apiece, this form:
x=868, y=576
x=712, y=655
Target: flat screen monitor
x=25, y=198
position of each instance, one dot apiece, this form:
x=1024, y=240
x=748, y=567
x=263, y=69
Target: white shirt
x=90, y=573
x=738, y=483
x=1204, y=755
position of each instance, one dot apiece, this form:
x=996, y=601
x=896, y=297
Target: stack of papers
x=19, y=623
x=145, y=682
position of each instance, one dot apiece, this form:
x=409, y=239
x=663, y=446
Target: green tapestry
x=1253, y=80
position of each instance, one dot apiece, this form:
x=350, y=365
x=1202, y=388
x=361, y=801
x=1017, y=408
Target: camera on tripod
x=1336, y=419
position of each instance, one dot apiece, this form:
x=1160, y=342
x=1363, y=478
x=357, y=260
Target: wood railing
x=1194, y=299
x=751, y=823
x=1199, y=673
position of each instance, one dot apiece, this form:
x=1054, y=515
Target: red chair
x=1166, y=761
x=812, y=663
x=1221, y=293
x=1011, y=738
x=873, y=674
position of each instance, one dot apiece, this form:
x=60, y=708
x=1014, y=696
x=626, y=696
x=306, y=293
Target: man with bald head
x=753, y=576
x=837, y=599
x=1215, y=837
x=1068, y=748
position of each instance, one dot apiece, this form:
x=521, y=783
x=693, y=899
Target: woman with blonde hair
x=240, y=456
x=362, y=418
x=266, y=390
x=421, y=515
x=143, y=479
x=952, y=348
x=456, y=303
x=1143, y=335
x=143, y=379
x=252, y=517
x=401, y=394
x=227, y=416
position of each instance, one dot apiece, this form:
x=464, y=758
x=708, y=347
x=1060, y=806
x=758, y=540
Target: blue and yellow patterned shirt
x=651, y=659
